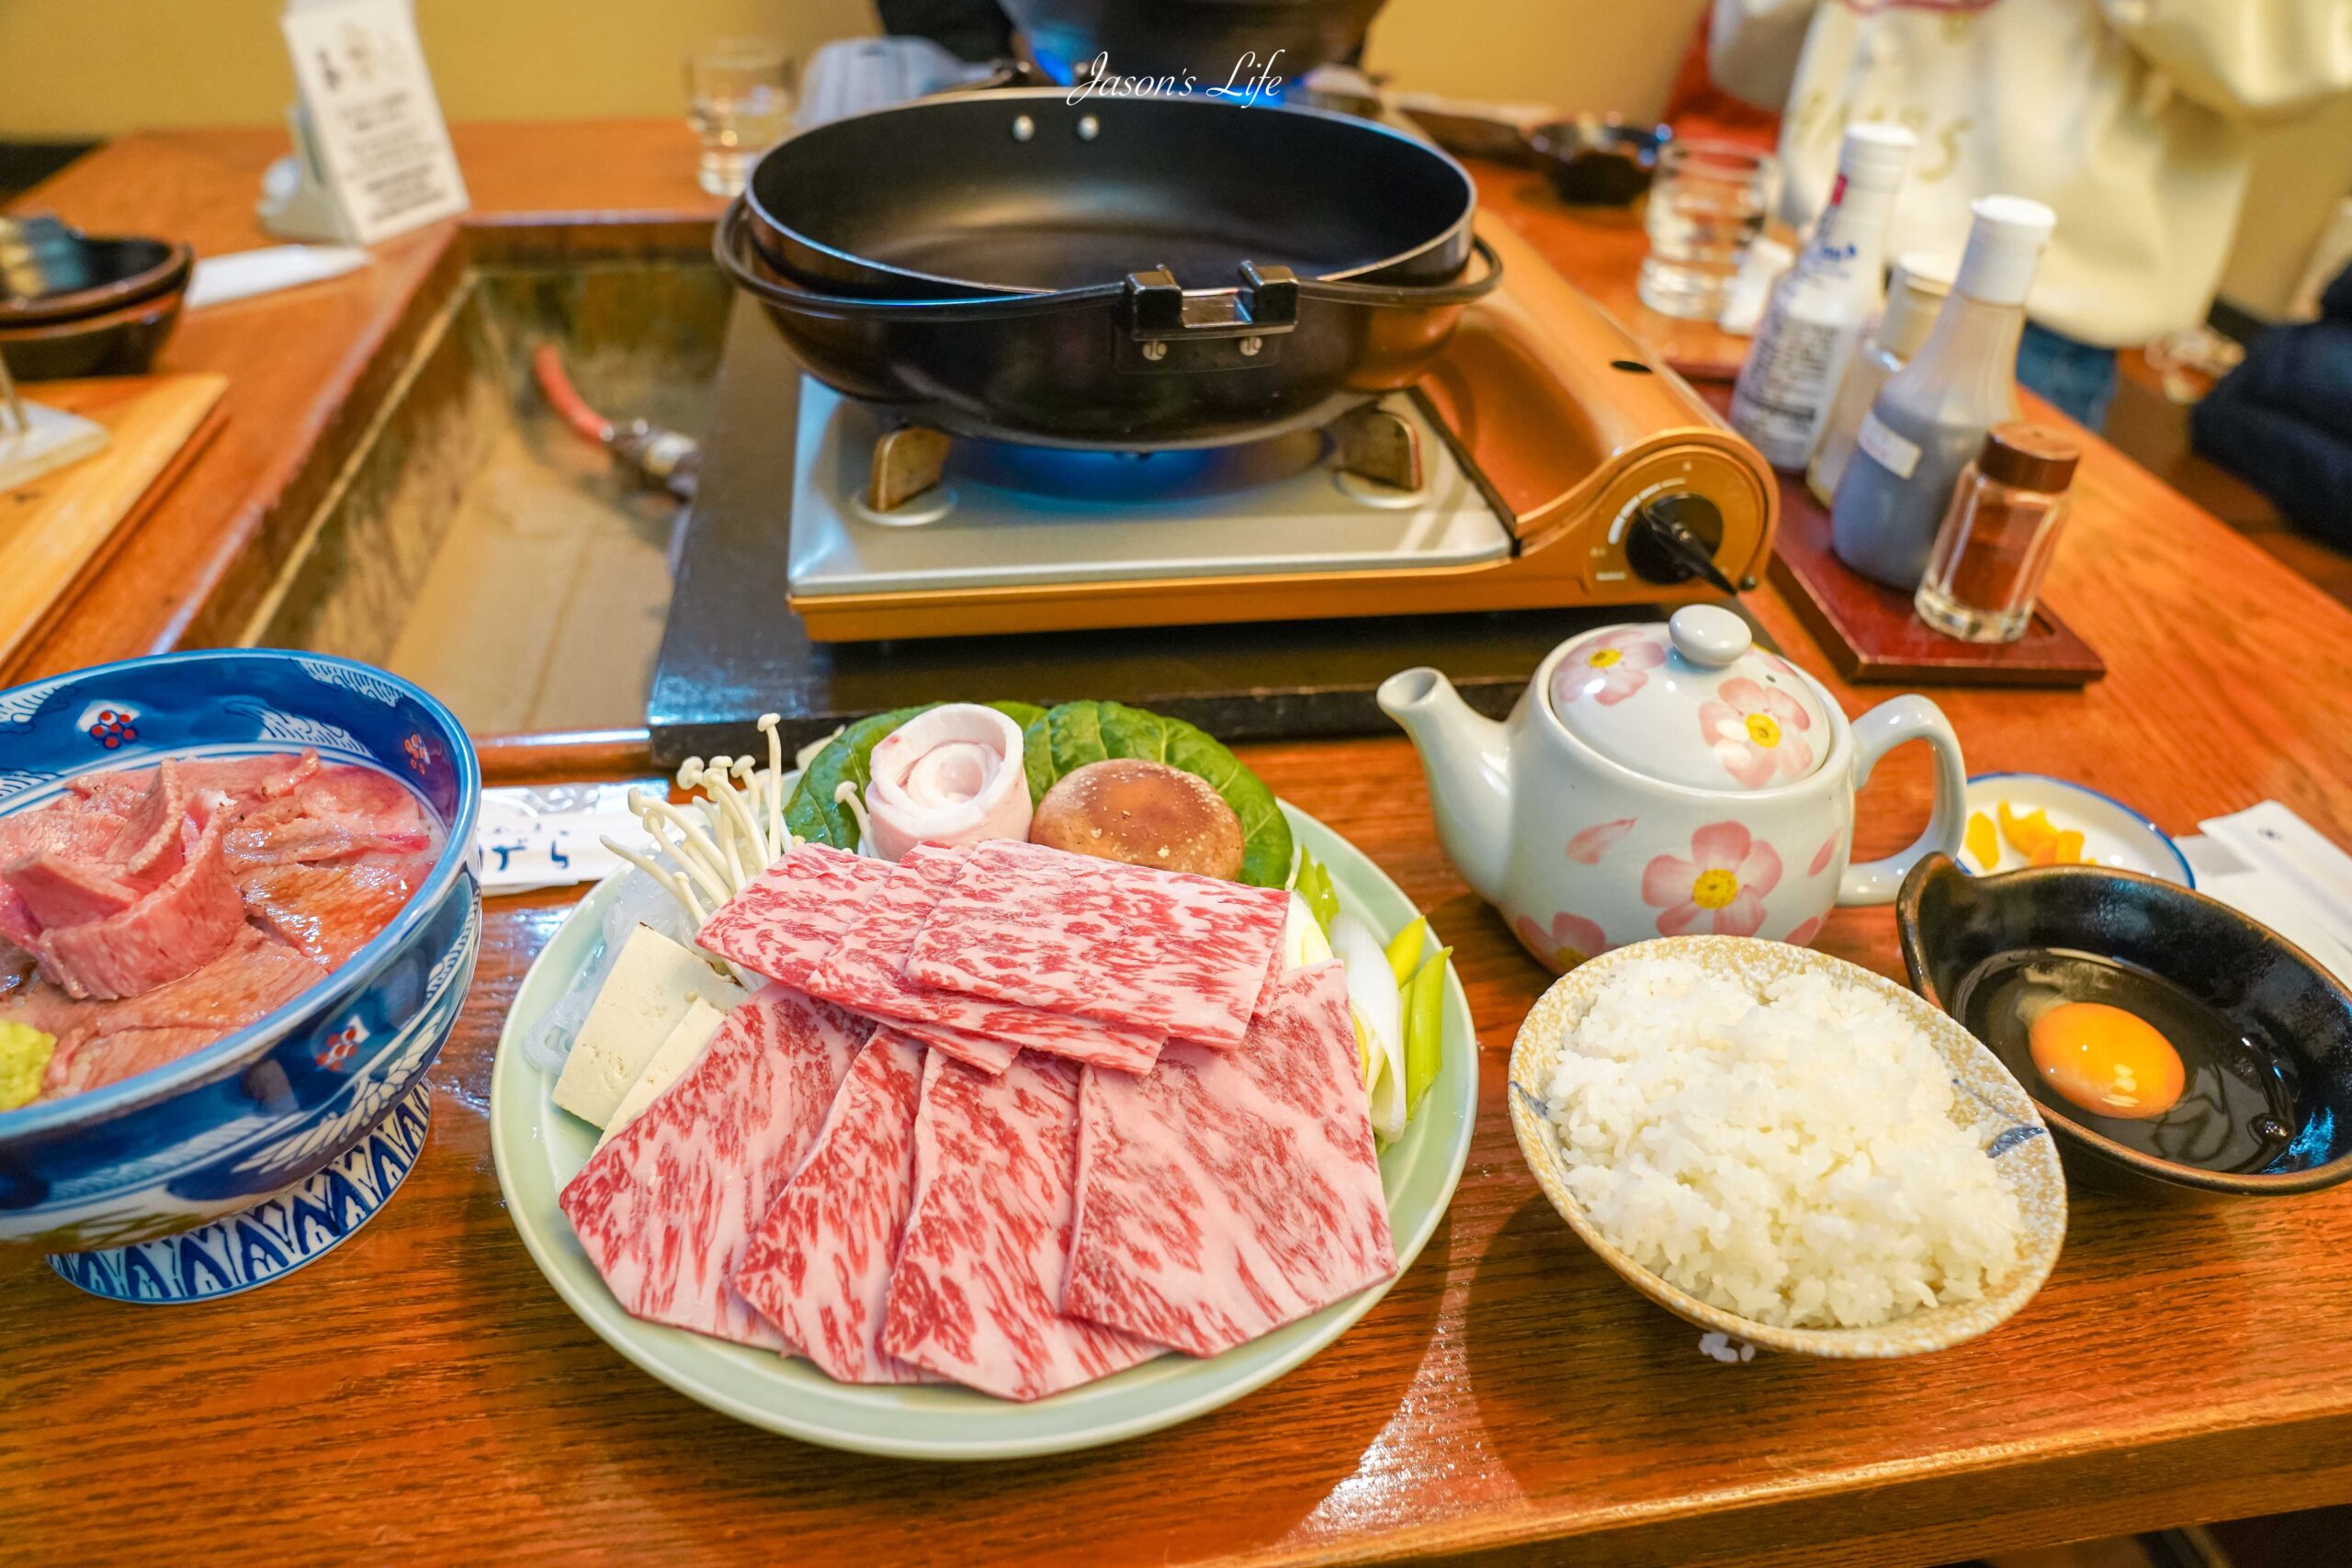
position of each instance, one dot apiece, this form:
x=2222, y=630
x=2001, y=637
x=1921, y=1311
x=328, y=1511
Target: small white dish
x=2113, y=833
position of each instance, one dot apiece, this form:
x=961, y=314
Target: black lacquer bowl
x=2266, y=988
x=74, y=304
x=1598, y=160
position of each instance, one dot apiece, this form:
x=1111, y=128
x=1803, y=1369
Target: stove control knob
x=1672, y=538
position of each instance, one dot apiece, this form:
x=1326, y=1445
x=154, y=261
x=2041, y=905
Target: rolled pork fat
x=951, y=776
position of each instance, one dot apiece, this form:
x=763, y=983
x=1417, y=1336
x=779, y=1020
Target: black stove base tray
x=1239, y=682
x=734, y=650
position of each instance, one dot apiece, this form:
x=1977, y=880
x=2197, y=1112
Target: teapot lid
x=1693, y=702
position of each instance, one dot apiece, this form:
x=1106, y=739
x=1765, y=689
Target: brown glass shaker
x=1998, y=534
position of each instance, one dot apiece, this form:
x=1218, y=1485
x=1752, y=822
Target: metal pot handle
x=1158, y=309
x=1461, y=291
x=729, y=242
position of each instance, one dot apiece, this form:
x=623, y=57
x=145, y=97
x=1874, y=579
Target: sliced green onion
x=1405, y=949
x=1424, y=1028
x=1315, y=886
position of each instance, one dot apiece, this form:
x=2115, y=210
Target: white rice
x=1800, y=1157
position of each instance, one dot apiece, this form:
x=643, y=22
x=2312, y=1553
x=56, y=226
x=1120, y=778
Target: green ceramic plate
x=538, y=1148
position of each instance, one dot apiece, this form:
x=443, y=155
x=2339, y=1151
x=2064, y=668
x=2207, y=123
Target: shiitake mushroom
x=1141, y=813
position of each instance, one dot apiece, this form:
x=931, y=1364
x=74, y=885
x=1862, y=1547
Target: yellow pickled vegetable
x=1983, y=845
x=2063, y=848
x=2029, y=833
x=24, y=1056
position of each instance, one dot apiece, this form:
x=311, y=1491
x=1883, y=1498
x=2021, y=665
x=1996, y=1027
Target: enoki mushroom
x=716, y=842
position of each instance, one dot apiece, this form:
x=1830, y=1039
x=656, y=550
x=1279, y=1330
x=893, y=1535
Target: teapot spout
x=1466, y=758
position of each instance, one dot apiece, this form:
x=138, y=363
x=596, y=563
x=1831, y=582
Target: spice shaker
x=1914, y=294
x=1999, y=534
x=1932, y=415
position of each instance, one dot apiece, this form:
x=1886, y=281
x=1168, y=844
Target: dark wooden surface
x=420, y=1394
x=1872, y=636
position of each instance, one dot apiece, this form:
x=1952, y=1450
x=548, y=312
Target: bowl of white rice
x=1785, y=1147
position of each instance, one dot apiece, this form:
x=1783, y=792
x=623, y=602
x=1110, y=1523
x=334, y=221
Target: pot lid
x=1693, y=702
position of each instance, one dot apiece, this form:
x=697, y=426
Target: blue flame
x=1117, y=477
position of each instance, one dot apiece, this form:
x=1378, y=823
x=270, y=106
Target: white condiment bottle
x=1914, y=291
x=1931, y=416
x=1819, y=307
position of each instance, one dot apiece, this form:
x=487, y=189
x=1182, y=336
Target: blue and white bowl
x=267, y=1106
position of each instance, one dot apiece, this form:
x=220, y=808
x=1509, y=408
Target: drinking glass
x=739, y=91
x=1707, y=205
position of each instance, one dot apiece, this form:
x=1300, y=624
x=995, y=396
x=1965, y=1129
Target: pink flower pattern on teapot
x=1754, y=730
x=1608, y=668
x=1588, y=846
x=1724, y=880
x=1571, y=940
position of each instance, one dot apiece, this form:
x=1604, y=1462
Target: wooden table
x=422, y=1392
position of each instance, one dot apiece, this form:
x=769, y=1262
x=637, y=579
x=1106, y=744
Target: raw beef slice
x=330, y=912
x=1226, y=1193
x=790, y=915
x=255, y=975
x=246, y=781
x=1165, y=951
x=58, y=891
x=819, y=1266
x=113, y=1058
x=864, y=972
x=981, y=1267
x=171, y=930
x=667, y=1208
x=150, y=833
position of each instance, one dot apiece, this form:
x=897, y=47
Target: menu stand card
x=371, y=156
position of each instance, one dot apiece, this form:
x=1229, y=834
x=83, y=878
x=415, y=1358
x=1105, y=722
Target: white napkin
x=547, y=836
x=2269, y=862
x=243, y=274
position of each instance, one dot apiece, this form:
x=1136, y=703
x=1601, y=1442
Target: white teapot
x=1665, y=779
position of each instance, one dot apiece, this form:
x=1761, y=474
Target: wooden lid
x=2030, y=457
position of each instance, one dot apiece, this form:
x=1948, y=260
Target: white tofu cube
x=653, y=985
x=676, y=1055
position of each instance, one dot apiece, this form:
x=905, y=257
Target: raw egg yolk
x=2106, y=1060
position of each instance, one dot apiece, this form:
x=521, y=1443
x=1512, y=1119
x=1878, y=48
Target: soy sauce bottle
x=1931, y=416
x=1820, y=305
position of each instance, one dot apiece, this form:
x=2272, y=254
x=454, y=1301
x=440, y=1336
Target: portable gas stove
x=1545, y=462
x=1543, y=471
x=1290, y=576
x=884, y=518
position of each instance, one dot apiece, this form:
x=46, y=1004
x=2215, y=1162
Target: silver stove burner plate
x=1274, y=508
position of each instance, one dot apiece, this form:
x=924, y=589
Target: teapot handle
x=1876, y=733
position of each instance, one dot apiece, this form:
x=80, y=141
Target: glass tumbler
x=740, y=97
x=1707, y=204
